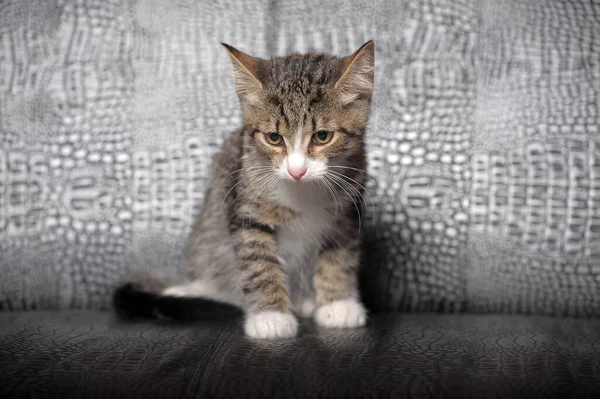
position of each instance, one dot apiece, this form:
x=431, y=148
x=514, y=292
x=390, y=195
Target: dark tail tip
x=178, y=308
x=131, y=301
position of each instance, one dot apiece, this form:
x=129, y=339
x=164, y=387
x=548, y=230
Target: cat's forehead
x=297, y=85
x=299, y=73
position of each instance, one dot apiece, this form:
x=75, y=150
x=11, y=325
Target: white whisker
x=324, y=183
x=262, y=169
x=336, y=180
x=260, y=179
x=357, y=170
x=265, y=183
x=341, y=175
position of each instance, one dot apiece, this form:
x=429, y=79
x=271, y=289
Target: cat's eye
x=322, y=137
x=274, y=138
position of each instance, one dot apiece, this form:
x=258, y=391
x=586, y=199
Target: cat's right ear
x=358, y=77
x=245, y=74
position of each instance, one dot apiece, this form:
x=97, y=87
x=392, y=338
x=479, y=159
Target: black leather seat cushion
x=91, y=354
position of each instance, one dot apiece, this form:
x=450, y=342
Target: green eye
x=274, y=138
x=322, y=137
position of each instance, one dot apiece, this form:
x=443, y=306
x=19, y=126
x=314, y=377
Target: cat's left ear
x=245, y=73
x=357, y=80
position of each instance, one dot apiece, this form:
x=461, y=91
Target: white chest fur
x=299, y=240
x=302, y=236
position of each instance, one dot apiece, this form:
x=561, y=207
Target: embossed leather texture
x=484, y=151
x=74, y=354
x=483, y=143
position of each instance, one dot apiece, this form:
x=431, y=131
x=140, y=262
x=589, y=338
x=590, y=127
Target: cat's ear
x=357, y=80
x=245, y=73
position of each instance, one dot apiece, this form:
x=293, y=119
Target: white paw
x=307, y=308
x=343, y=313
x=271, y=325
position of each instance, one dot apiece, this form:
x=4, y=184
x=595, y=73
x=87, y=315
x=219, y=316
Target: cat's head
x=305, y=114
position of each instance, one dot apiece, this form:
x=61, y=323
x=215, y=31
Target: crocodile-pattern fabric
x=484, y=143
x=86, y=355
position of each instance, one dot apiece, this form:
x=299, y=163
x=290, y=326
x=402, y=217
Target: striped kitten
x=279, y=232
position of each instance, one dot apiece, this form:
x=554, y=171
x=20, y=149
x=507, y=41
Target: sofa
x=481, y=269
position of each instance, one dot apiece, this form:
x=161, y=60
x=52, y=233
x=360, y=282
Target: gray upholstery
x=484, y=155
x=484, y=145
x=74, y=354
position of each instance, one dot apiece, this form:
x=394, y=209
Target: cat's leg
x=264, y=285
x=299, y=271
x=203, y=289
x=307, y=307
x=336, y=287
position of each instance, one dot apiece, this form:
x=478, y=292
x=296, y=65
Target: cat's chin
x=308, y=191
x=306, y=181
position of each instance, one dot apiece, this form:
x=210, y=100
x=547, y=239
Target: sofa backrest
x=484, y=143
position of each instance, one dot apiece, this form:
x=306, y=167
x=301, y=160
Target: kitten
x=279, y=232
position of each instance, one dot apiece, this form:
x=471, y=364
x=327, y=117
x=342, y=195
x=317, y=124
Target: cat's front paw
x=342, y=313
x=271, y=325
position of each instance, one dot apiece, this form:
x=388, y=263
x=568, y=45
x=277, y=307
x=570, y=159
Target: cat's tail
x=142, y=298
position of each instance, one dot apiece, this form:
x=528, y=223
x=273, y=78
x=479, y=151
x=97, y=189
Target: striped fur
x=264, y=241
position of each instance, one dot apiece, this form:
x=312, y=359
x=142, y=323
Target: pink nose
x=297, y=173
